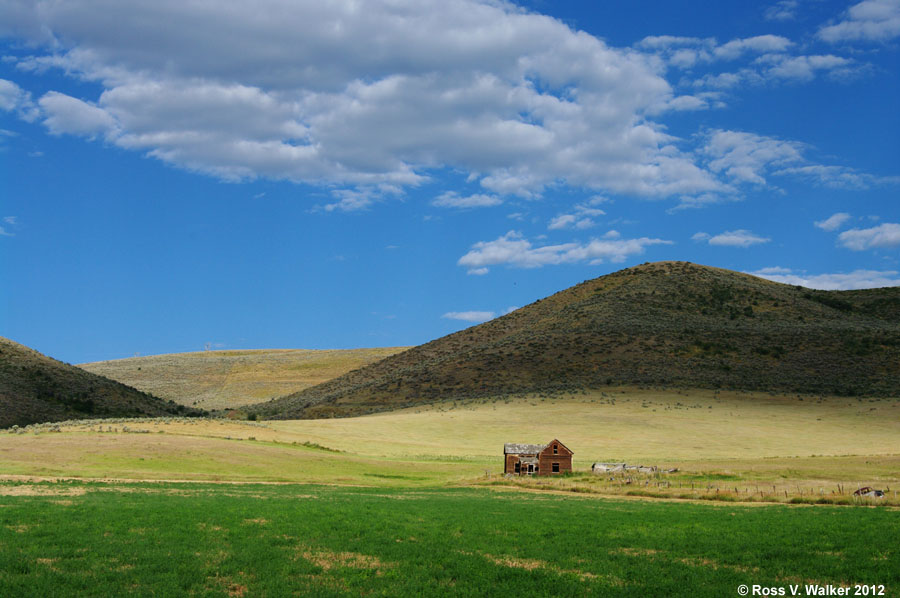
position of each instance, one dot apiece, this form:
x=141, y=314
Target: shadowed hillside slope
x=666, y=323
x=35, y=388
x=231, y=379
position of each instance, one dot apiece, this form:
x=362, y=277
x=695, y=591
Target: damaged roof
x=515, y=448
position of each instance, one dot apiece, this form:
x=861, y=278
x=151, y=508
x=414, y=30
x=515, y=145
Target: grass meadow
x=189, y=539
x=413, y=503
x=734, y=446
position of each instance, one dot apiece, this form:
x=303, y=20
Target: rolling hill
x=671, y=324
x=231, y=379
x=35, y=388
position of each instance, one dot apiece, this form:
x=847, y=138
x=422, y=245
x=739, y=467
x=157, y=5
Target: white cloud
x=10, y=95
x=689, y=202
x=732, y=238
x=745, y=157
x=336, y=95
x=858, y=279
x=871, y=20
x=15, y=99
x=686, y=52
x=785, y=10
x=65, y=114
x=351, y=200
x=773, y=68
x=581, y=219
x=758, y=44
x=513, y=250
x=564, y=221
x=470, y=316
x=766, y=60
x=879, y=237
x=805, y=68
x=833, y=222
x=452, y=199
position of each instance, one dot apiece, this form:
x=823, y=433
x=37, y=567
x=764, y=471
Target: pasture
x=734, y=446
x=190, y=539
x=413, y=503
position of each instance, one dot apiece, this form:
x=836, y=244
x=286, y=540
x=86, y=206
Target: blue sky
x=291, y=174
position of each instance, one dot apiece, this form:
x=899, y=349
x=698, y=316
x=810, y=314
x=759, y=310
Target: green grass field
x=412, y=503
x=85, y=539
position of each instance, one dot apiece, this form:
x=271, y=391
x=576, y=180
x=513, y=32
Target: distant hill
x=668, y=323
x=35, y=388
x=231, y=379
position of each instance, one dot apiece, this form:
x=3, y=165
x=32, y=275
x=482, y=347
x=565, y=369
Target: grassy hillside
x=229, y=379
x=672, y=324
x=35, y=388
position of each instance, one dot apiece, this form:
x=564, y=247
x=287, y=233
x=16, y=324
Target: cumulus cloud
x=731, y=238
x=470, y=316
x=833, y=222
x=871, y=20
x=883, y=236
x=327, y=93
x=858, y=279
x=452, y=199
x=512, y=249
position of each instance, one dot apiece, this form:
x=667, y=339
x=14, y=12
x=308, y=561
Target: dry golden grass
x=626, y=424
x=229, y=379
x=716, y=440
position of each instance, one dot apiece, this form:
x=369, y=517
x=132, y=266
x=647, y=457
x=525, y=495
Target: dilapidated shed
x=552, y=458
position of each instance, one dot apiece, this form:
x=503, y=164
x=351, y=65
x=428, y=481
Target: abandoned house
x=536, y=459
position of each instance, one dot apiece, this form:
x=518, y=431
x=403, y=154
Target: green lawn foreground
x=95, y=539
